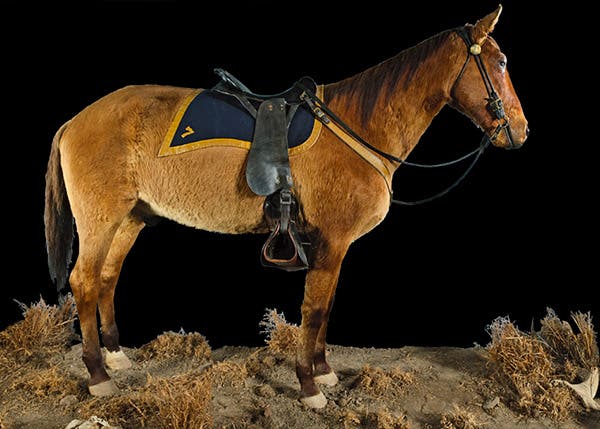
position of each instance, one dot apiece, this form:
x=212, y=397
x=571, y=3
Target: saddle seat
x=290, y=95
x=268, y=170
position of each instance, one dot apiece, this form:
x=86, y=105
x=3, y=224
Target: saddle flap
x=268, y=168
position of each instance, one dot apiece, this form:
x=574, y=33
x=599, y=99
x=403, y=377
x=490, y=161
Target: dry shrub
x=3, y=414
x=126, y=408
x=383, y=383
x=228, y=374
x=349, y=418
x=45, y=382
x=176, y=345
x=44, y=330
x=259, y=361
x=6, y=364
x=385, y=419
x=282, y=337
x=460, y=418
x=568, y=348
x=524, y=363
x=179, y=402
x=26, y=346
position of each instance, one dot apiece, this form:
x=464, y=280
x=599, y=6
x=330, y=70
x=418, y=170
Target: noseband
x=494, y=102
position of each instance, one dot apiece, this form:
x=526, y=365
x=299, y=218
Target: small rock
x=490, y=404
x=74, y=424
x=265, y=391
x=89, y=425
x=68, y=400
x=93, y=423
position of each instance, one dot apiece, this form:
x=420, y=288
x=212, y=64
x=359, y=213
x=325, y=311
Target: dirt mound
x=178, y=382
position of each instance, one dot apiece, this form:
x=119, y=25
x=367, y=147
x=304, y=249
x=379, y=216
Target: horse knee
x=84, y=283
x=83, y=290
x=108, y=278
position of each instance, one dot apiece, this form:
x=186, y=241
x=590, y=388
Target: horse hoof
x=106, y=388
x=316, y=401
x=117, y=360
x=327, y=379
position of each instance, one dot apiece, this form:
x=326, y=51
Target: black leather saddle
x=290, y=95
x=268, y=170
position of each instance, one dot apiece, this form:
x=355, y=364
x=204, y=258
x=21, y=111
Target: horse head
x=484, y=74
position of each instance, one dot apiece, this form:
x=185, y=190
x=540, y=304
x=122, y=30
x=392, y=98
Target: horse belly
x=204, y=189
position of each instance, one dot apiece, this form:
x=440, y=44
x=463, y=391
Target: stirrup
x=283, y=248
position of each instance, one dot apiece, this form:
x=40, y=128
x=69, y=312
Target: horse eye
x=502, y=64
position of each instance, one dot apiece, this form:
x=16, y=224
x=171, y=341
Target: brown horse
x=105, y=173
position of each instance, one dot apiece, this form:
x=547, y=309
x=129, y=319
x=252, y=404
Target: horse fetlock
x=105, y=388
x=110, y=338
x=329, y=379
x=316, y=401
x=117, y=360
x=93, y=363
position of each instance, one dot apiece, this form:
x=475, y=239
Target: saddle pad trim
x=166, y=149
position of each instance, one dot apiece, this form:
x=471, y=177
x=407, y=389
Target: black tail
x=58, y=219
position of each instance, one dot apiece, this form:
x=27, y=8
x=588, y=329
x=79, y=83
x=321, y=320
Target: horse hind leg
x=85, y=280
x=321, y=282
x=122, y=242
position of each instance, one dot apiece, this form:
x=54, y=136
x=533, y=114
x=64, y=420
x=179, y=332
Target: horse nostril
x=527, y=132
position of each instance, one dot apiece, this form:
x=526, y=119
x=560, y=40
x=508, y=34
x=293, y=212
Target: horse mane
x=383, y=78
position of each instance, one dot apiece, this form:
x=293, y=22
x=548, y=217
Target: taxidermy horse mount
x=109, y=171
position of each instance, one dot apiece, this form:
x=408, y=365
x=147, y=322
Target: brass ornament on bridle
x=475, y=49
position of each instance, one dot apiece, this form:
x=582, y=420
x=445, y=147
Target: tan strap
x=377, y=163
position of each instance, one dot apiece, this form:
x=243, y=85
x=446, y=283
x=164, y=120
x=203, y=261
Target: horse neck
x=392, y=104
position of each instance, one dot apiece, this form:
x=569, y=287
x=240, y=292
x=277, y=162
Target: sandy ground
x=410, y=387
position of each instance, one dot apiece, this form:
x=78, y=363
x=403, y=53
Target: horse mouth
x=513, y=146
x=507, y=139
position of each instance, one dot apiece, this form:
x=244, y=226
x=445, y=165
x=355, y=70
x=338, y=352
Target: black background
x=519, y=235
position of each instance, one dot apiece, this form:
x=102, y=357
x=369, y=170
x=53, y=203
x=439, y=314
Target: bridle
x=494, y=106
x=494, y=102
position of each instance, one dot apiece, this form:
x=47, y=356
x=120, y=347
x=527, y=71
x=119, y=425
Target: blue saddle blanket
x=208, y=118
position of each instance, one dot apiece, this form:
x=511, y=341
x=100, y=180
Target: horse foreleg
x=321, y=282
x=322, y=371
x=121, y=245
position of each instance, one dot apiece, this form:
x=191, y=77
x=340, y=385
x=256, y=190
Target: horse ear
x=486, y=25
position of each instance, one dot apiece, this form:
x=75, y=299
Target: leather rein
x=351, y=138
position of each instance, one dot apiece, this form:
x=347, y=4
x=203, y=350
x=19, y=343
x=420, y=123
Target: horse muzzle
x=509, y=138
x=515, y=142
